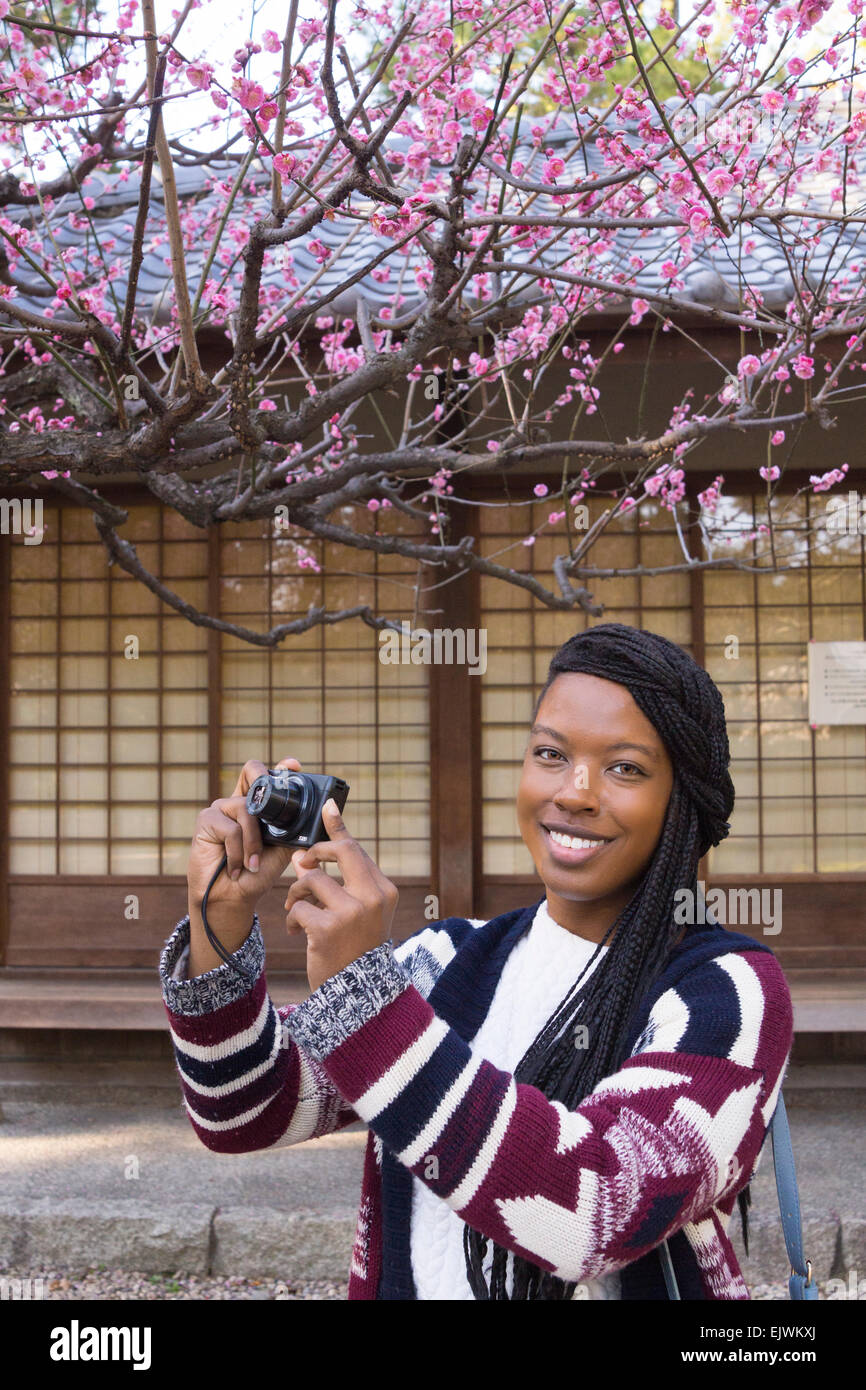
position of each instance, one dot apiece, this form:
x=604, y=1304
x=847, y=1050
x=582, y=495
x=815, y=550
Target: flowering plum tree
x=426, y=202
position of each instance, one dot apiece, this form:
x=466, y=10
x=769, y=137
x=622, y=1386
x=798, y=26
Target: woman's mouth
x=572, y=849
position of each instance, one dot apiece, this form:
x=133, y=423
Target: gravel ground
x=129, y=1285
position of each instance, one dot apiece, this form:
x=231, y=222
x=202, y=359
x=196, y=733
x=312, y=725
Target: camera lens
x=280, y=799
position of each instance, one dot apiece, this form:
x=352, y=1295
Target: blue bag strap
x=801, y=1285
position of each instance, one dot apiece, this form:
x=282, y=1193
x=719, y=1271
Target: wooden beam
x=214, y=674
x=91, y=927
x=5, y=716
x=455, y=755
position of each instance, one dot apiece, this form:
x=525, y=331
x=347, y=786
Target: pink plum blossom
x=310, y=29
x=709, y=498
x=809, y=12
x=200, y=75
x=719, y=182
x=681, y=183
x=250, y=95
x=821, y=482
x=285, y=164
x=803, y=366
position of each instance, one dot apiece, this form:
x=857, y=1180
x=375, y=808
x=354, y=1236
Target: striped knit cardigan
x=657, y=1150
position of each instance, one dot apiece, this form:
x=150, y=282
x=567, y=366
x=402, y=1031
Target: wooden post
x=455, y=757
x=5, y=715
x=214, y=674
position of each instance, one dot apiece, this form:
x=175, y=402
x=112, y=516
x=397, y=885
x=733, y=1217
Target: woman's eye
x=539, y=753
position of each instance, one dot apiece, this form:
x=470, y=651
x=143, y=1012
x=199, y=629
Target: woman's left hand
x=341, y=921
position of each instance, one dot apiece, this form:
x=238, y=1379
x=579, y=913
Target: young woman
x=552, y=1094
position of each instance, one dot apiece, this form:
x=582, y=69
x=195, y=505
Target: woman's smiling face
x=595, y=768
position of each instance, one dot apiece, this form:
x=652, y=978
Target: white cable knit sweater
x=534, y=980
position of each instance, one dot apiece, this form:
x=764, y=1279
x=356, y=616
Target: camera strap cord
x=211, y=935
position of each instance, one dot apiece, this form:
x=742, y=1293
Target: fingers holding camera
x=223, y=827
x=339, y=926
x=227, y=827
x=240, y=833
x=318, y=888
x=358, y=868
x=228, y=823
x=218, y=830
x=255, y=768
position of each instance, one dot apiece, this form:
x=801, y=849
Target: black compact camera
x=288, y=805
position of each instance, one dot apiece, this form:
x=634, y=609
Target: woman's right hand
x=226, y=827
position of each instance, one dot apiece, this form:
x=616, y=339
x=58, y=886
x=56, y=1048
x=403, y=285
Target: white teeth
x=569, y=841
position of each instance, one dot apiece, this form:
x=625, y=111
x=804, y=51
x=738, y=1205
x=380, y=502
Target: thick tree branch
x=136, y=255
x=124, y=554
x=199, y=383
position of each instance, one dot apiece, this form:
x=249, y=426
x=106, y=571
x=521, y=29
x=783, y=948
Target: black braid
x=685, y=707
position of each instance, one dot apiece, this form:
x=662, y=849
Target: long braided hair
x=685, y=707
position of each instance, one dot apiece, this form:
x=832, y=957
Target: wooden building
x=107, y=759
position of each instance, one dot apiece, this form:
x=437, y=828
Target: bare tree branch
x=199, y=383
x=136, y=255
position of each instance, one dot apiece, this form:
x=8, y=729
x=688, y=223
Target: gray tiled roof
x=712, y=277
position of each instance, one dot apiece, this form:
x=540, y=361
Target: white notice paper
x=837, y=683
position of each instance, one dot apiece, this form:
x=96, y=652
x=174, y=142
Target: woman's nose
x=575, y=785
